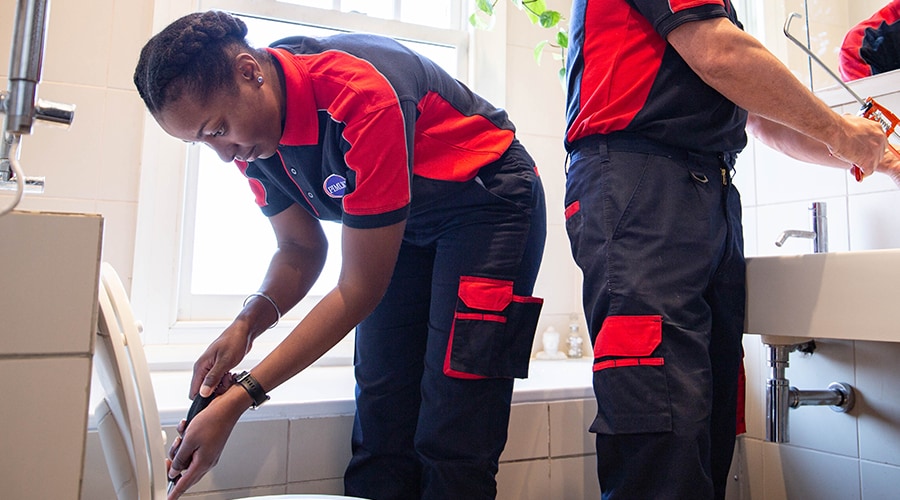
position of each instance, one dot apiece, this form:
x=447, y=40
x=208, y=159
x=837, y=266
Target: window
x=223, y=243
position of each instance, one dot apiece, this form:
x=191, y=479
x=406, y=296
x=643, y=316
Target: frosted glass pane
x=434, y=13
x=320, y=4
x=233, y=240
x=382, y=9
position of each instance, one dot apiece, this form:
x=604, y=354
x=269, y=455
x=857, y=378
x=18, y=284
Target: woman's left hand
x=198, y=448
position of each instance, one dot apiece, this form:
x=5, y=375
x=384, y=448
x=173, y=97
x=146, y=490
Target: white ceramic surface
x=840, y=295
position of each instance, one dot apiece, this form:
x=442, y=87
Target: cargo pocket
x=630, y=377
x=492, y=331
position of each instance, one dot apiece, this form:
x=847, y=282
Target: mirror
x=823, y=26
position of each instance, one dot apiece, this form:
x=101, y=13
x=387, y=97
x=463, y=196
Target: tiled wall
x=548, y=456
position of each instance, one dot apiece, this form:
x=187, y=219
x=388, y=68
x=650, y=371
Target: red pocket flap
x=629, y=336
x=485, y=293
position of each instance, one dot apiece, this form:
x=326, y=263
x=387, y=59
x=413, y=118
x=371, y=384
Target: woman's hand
x=211, y=370
x=199, y=446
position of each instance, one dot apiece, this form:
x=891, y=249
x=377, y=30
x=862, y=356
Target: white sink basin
x=840, y=295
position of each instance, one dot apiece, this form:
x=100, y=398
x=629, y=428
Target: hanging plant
x=538, y=14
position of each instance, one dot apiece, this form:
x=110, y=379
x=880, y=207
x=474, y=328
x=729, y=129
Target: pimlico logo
x=335, y=186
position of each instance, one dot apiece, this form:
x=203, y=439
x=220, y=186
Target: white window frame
x=164, y=173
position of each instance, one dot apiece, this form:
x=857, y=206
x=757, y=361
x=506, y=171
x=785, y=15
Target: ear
x=247, y=67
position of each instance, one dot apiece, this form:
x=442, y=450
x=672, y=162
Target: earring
x=259, y=79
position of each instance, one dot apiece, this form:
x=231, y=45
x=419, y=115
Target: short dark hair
x=193, y=54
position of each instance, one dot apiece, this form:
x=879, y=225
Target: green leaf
x=562, y=77
x=534, y=9
x=538, y=50
x=550, y=18
x=478, y=22
x=485, y=6
x=562, y=39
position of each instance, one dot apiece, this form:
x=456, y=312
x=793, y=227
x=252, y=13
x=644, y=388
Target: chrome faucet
x=19, y=104
x=819, y=233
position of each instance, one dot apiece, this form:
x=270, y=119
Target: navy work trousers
x=657, y=234
x=432, y=397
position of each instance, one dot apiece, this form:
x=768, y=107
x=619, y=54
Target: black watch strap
x=256, y=392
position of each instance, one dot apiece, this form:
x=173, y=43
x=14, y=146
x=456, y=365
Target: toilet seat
x=127, y=416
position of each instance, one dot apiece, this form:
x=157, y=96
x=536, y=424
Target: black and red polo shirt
x=872, y=46
x=363, y=115
x=623, y=76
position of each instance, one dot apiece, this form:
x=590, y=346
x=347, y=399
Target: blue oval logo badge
x=335, y=185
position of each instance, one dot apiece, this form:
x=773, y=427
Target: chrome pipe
x=839, y=396
x=819, y=218
x=54, y=113
x=777, y=394
x=781, y=397
x=25, y=63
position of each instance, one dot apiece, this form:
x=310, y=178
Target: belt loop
x=603, y=148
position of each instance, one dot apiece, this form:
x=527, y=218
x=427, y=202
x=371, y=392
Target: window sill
x=323, y=390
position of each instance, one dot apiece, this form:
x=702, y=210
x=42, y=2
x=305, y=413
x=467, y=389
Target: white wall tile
x=574, y=478
x=322, y=487
x=118, y=236
x=319, y=448
x=819, y=427
x=877, y=375
x=781, y=179
x=529, y=432
x=255, y=454
x=69, y=159
x=528, y=480
x=78, y=52
x=118, y=169
x=132, y=23
x=569, y=424
x=874, y=220
x=752, y=451
x=793, y=472
x=738, y=486
x=879, y=481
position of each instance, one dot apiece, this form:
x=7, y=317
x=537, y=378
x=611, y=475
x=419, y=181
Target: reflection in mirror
x=824, y=25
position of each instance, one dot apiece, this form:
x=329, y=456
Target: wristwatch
x=256, y=392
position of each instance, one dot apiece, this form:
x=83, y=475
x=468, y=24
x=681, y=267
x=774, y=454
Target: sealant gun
x=869, y=108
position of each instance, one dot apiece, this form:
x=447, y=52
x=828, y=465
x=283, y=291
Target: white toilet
x=127, y=417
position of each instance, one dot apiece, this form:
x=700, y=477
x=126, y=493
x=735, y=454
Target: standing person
x=659, y=94
x=443, y=231
x=873, y=45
